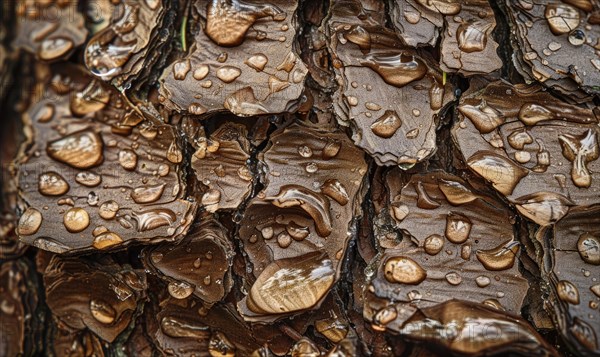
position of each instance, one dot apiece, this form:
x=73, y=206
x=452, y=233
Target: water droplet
x=128, y=159
x=227, y=22
x=257, y=62
x=372, y=106
x=423, y=199
x=147, y=194
x=52, y=184
x=404, y=270
x=200, y=72
x=106, y=240
x=577, y=38
x=588, y=247
x=311, y=167
x=181, y=69
x=500, y=258
x=108, y=210
x=267, y=232
x=456, y=193
x=458, y=228
x=30, y=222
x=519, y=139
x=472, y=37
x=562, y=18
x=568, y=292
x=399, y=212
x=228, y=74
x=483, y=281
x=580, y=150
x=359, y=36
x=211, y=199
x=81, y=150
x=174, y=155
x=336, y=190
x=291, y=284
x=102, y=311
x=180, y=289
x=385, y=316
x=396, y=69
x=297, y=231
x=433, y=244
x=443, y=7
x=305, y=151
x=584, y=333
x=531, y=114
x=544, y=208
x=387, y=125
x=453, y=278
x=88, y=179
x=315, y=204
x=331, y=149
x=53, y=48
x=596, y=289
x=485, y=118
x=76, y=219
x=500, y=171
x=465, y=252
x=288, y=63
x=284, y=240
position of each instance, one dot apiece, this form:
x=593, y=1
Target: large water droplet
x=444, y=7
x=76, y=219
x=404, y=270
x=30, y=222
x=154, y=218
x=519, y=139
x=291, y=284
x=458, y=228
x=387, y=125
x=91, y=99
x=499, y=258
x=180, y=289
x=588, y=246
x=580, y=150
x=128, y=159
x=336, y=190
x=148, y=194
x=257, y=62
x=107, y=239
x=562, y=18
x=81, y=150
x=544, y=208
x=584, y=333
x=181, y=69
x=500, y=171
x=484, y=117
x=102, y=311
x=456, y=193
x=227, y=21
x=311, y=202
x=472, y=37
x=108, y=209
x=88, y=179
x=531, y=114
x=568, y=292
x=228, y=74
x=396, y=69
x=433, y=244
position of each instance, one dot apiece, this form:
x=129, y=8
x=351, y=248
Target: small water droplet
x=404, y=270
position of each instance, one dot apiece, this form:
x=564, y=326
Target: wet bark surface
x=302, y=178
